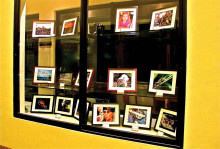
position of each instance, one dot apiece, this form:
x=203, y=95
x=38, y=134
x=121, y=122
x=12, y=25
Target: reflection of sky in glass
x=48, y=26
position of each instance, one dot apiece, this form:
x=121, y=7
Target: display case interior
x=131, y=55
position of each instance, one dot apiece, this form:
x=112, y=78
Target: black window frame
x=82, y=127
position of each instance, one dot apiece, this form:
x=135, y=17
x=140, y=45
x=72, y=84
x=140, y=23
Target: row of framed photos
x=108, y=113
x=126, y=19
x=119, y=79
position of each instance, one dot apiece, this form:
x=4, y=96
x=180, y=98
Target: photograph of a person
x=163, y=19
x=76, y=112
x=163, y=81
x=43, y=28
x=122, y=79
x=137, y=116
x=44, y=75
x=167, y=122
x=106, y=114
x=126, y=19
x=64, y=105
x=42, y=104
x=69, y=27
x=90, y=74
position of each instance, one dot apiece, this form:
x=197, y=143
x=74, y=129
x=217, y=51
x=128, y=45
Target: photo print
x=163, y=19
x=167, y=122
x=44, y=75
x=43, y=28
x=126, y=20
x=69, y=27
x=76, y=112
x=137, y=116
x=64, y=105
x=163, y=81
x=122, y=79
x=105, y=114
x=42, y=104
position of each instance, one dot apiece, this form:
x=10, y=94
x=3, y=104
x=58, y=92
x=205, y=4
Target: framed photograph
x=76, y=112
x=42, y=104
x=66, y=78
x=69, y=27
x=105, y=114
x=90, y=74
x=163, y=81
x=43, y=28
x=122, y=79
x=44, y=75
x=163, y=19
x=167, y=122
x=126, y=19
x=139, y=116
x=64, y=106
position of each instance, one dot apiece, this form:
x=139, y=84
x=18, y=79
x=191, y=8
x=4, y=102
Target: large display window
x=112, y=68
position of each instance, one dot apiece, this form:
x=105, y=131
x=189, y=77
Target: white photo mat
x=147, y=119
x=35, y=97
x=63, y=112
x=133, y=23
x=151, y=82
x=74, y=26
x=37, y=69
x=116, y=114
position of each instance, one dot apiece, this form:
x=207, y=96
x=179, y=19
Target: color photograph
x=126, y=20
x=43, y=28
x=44, y=75
x=122, y=79
x=64, y=105
x=42, y=104
x=167, y=122
x=66, y=78
x=106, y=114
x=137, y=116
x=69, y=27
x=163, y=19
x=163, y=81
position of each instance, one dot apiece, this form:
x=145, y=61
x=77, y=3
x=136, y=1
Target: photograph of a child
x=64, y=105
x=126, y=20
x=42, y=103
x=163, y=81
x=122, y=80
x=105, y=114
x=44, y=75
x=43, y=29
x=168, y=122
x=137, y=116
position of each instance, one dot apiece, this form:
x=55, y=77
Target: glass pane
x=49, y=59
x=133, y=53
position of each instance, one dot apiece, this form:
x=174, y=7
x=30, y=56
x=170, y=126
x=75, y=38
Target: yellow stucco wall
x=202, y=125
